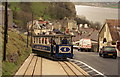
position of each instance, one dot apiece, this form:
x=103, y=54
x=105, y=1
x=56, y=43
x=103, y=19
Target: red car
x=108, y=51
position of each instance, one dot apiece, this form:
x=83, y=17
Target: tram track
x=72, y=70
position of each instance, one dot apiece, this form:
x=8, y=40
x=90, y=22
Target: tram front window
x=64, y=41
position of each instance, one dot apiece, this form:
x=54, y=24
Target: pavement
x=52, y=68
x=36, y=65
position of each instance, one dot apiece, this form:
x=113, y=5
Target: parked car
x=108, y=51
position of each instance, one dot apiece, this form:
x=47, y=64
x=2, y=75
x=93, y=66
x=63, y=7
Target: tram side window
x=39, y=40
x=42, y=40
x=33, y=39
x=45, y=41
x=56, y=40
x=48, y=41
x=52, y=41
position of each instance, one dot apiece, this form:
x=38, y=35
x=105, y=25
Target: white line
x=91, y=68
x=90, y=71
x=86, y=68
x=83, y=66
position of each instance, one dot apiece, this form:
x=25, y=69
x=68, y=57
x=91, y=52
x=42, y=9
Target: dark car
x=108, y=51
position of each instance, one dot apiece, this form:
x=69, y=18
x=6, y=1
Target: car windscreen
x=109, y=49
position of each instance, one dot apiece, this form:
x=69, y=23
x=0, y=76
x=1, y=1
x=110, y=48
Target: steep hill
x=22, y=12
x=17, y=52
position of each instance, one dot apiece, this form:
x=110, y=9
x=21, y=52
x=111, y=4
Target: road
x=107, y=66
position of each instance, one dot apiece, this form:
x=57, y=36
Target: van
x=85, y=45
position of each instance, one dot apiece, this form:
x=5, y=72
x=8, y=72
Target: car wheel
x=114, y=57
x=100, y=54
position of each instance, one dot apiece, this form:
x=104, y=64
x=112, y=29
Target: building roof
x=88, y=33
x=113, y=25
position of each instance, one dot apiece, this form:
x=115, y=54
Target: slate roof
x=87, y=33
x=113, y=24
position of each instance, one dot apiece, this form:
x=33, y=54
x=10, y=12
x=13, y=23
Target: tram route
x=36, y=66
x=73, y=70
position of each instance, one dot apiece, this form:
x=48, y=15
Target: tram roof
x=57, y=35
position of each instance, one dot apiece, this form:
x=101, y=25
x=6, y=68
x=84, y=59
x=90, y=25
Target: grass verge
x=17, y=52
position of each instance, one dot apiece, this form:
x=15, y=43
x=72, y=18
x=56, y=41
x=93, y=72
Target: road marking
x=90, y=71
x=93, y=70
x=86, y=68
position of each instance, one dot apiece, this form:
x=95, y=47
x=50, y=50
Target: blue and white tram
x=52, y=45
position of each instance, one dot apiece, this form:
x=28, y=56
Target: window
x=33, y=39
x=45, y=40
x=42, y=40
x=104, y=40
x=109, y=49
x=39, y=40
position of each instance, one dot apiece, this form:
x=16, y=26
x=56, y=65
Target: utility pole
x=31, y=30
x=5, y=31
x=27, y=35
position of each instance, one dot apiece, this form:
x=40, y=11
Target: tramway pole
x=5, y=31
x=27, y=35
x=31, y=30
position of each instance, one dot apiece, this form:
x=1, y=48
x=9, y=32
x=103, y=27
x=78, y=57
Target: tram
x=53, y=45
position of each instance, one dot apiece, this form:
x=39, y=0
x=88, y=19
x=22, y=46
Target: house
x=109, y=33
x=66, y=23
x=71, y=24
x=88, y=33
x=83, y=26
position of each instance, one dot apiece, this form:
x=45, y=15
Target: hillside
x=22, y=12
x=17, y=52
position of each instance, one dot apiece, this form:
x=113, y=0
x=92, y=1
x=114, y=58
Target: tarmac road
x=107, y=66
